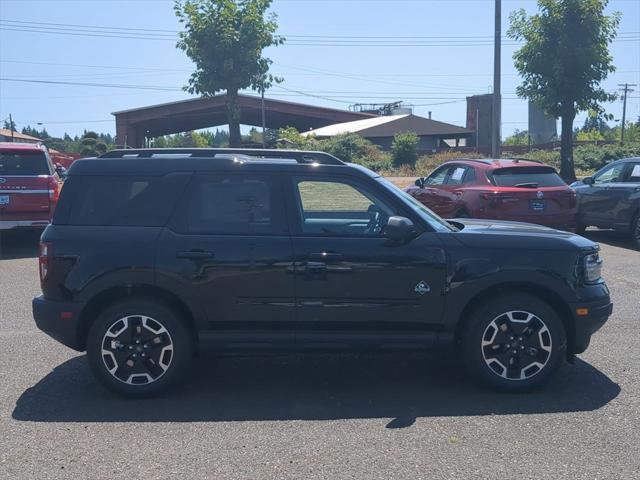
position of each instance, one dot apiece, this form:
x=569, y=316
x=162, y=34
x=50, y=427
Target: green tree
x=404, y=149
x=564, y=59
x=9, y=125
x=519, y=137
x=225, y=40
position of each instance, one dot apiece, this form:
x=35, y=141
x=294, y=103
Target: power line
x=296, y=40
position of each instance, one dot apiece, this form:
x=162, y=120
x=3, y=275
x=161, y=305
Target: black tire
x=635, y=231
x=581, y=229
x=146, y=344
x=537, y=353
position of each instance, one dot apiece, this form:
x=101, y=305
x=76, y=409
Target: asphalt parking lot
x=318, y=416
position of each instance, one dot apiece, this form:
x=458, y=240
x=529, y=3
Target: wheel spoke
x=137, y=349
x=516, y=345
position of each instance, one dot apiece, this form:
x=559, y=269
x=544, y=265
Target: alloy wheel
x=137, y=350
x=516, y=345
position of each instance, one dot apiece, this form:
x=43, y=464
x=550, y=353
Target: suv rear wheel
x=139, y=347
x=514, y=342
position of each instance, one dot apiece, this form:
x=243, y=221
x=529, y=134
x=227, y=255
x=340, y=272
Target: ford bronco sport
x=154, y=254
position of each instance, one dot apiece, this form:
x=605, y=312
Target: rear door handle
x=325, y=256
x=195, y=254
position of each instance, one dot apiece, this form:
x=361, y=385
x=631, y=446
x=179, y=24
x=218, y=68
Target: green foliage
x=203, y=139
x=34, y=132
x=225, y=40
x=9, y=125
x=519, y=137
x=90, y=134
x=563, y=60
x=348, y=147
x=590, y=136
x=588, y=158
x=404, y=149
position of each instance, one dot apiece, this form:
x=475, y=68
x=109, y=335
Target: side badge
x=422, y=288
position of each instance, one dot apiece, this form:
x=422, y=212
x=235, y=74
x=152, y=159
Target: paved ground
x=321, y=416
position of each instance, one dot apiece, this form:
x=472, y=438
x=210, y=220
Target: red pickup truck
x=29, y=186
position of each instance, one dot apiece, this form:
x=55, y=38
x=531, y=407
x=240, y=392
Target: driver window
x=438, y=177
x=337, y=208
x=610, y=175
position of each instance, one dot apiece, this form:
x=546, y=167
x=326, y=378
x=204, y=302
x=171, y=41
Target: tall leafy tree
x=225, y=40
x=564, y=59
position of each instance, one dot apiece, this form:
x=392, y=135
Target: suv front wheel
x=139, y=347
x=514, y=342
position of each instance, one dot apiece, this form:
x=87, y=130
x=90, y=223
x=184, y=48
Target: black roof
x=162, y=161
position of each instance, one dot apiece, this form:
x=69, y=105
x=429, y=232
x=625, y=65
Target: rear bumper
x=585, y=326
x=10, y=224
x=59, y=320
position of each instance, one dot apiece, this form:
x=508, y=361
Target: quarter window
x=124, y=200
x=634, y=173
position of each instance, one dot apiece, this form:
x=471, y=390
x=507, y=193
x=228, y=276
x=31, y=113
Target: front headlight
x=592, y=268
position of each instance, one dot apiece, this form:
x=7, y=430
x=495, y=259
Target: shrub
x=405, y=149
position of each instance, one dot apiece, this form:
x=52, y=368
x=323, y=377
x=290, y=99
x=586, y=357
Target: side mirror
x=587, y=180
x=419, y=182
x=399, y=230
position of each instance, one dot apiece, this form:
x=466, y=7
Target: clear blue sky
x=439, y=74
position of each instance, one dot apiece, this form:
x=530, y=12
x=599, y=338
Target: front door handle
x=195, y=254
x=325, y=256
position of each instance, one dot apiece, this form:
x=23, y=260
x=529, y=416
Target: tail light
x=44, y=261
x=54, y=190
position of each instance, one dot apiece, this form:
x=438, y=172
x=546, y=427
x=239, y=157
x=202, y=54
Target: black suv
x=154, y=254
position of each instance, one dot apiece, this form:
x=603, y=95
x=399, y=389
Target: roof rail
x=299, y=156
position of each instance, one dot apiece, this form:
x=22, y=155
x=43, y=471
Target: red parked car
x=515, y=190
x=29, y=186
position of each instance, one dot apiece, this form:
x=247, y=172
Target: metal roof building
x=134, y=125
x=380, y=130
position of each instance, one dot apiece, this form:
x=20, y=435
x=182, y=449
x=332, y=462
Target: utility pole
x=626, y=90
x=264, y=139
x=11, y=127
x=495, y=110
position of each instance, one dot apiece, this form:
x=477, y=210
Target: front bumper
x=59, y=320
x=599, y=309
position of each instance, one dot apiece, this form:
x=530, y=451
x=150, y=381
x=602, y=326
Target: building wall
x=542, y=127
x=479, y=108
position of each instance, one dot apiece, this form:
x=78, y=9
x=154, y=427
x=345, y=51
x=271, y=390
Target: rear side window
x=24, y=163
x=229, y=205
x=526, y=177
x=123, y=200
x=634, y=173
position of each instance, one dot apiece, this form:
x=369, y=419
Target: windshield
x=437, y=223
x=527, y=177
x=23, y=163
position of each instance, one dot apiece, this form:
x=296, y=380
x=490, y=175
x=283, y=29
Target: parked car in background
x=514, y=190
x=611, y=198
x=29, y=186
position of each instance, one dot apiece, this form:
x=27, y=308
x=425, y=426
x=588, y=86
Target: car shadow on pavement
x=399, y=387
x=610, y=237
x=20, y=244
